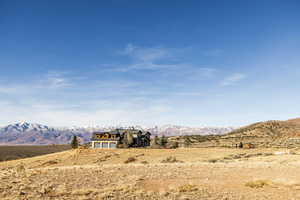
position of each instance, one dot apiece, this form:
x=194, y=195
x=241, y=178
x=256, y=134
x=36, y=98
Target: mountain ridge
x=34, y=133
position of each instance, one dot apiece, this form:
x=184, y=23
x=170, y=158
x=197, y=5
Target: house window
x=104, y=144
x=113, y=145
x=97, y=144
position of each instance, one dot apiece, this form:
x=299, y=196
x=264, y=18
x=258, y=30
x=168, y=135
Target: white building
x=105, y=140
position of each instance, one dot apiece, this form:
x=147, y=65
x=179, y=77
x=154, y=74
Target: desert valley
x=149, y=100
x=207, y=167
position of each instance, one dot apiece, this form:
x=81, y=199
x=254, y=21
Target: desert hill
x=272, y=133
x=268, y=129
x=269, y=133
x=295, y=120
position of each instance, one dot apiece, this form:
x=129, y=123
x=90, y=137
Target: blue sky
x=124, y=62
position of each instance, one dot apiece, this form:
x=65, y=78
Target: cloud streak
x=146, y=58
x=147, y=55
x=56, y=80
x=233, y=79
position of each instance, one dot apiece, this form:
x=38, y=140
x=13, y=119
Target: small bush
x=170, y=159
x=144, y=162
x=212, y=160
x=172, y=145
x=258, y=183
x=129, y=160
x=187, y=188
x=20, y=168
x=50, y=162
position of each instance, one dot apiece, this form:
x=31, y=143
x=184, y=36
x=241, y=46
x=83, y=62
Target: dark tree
x=163, y=141
x=74, y=142
x=241, y=145
x=175, y=145
x=187, y=141
x=127, y=139
x=156, y=139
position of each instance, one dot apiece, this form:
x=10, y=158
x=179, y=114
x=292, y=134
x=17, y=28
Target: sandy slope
x=194, y=174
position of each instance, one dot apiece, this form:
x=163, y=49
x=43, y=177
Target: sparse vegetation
x=270, y=134
x=55, y=176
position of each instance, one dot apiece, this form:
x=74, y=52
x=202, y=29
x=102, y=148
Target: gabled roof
x=97, y=136
x=117, y=133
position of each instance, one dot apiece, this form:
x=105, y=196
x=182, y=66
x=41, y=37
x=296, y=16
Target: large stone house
x=120, y=138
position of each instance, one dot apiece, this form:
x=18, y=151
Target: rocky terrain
x=164, y=174
x=36, y=134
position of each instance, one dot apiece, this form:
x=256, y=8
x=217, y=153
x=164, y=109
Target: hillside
x=295, y=120
x=269, y=133
x=268, y=129
x=262, y=134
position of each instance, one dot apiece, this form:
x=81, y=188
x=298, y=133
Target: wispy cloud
x=56, y=80
x=49, y=81
x=86, y=114
x=212, y=52
x=145, y=54
x=165, y=60
x=145, y=58
x=188, y=94
x=144, y=66
x=233, y=79
x=121, y=93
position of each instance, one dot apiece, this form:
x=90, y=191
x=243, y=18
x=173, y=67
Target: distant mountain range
x=37, y=134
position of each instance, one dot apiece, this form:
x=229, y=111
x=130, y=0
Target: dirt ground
x=25, y=151
x=184, y=173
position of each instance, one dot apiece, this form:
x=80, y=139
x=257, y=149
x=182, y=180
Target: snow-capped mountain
x=31, y=133
x=175, y=130
x=25, y=127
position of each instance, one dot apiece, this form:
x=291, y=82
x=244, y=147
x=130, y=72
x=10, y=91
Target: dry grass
x=170, y=159
x=54, y=176
x=258, y=183
x=187, y=188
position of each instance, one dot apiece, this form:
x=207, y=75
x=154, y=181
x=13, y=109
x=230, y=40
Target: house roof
x=116, y=133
